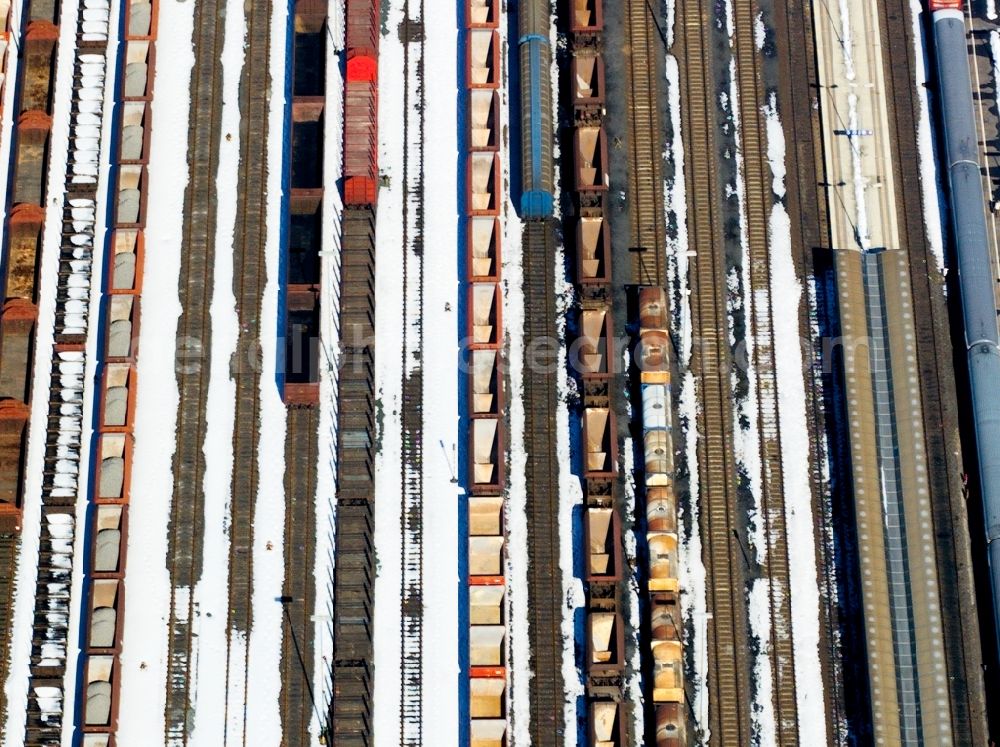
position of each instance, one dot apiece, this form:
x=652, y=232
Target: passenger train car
x=537, y=200
x=976, y=273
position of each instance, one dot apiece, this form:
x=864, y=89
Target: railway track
x=412, y=420
x=186, y=526
x=758, y=199
x=298, y=701
x=645, y=131
x=545, y=593
x=249, y=278
x=351, y=718
x=728, y=680
x=807, y=210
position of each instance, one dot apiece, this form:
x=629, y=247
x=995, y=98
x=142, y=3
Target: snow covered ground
x=744, y=301
x=785, y=345
x=263, y=724
x=220, y=701
x=221, y=705
x=209, y=653
x=633, y=683
x=388, y=383
x=692, y=568
x=515, y=507
x=147, y=586
x=788, y=362
x=441, y=383
x=796, y=454
x=930, y=177
x=438, y=359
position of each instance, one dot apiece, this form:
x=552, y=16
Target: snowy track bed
x=727, y=675
x=791, y=702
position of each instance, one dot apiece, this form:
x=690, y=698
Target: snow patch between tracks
x=441, y=386
x=215, y=714
x=691, y=567
x=389, y=327
x=326, y=486
x=147, y=599
x=795, y=460
x=264, y=642
x=931, y=187
x=742, y=296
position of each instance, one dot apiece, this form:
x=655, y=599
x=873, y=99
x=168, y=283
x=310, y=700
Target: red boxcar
x=361, y=131
x=363, y=28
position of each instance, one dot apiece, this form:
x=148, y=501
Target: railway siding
x=806, y=206
x=592, y=365
x=545, y=593
x=298, y=700
x=186, y=525
x=728, y=676
x=302, y=282
x=249, y=279
x=934, y=357
x=538, y=245
x=351, y=714
x=411, y=699
x=645, y=132
x=351, y=710
x=758, y=198
x=941, y=408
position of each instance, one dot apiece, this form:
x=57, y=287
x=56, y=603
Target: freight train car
x=351, y=709
x=21, y=251
x=304, y=220
x=6, y=29
x=653, y=362
x=361, y=103
x=104, y=588
x=64, y=426
x=487, y=632
x=975, y=271
x=594, y=362
x=354, y=568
